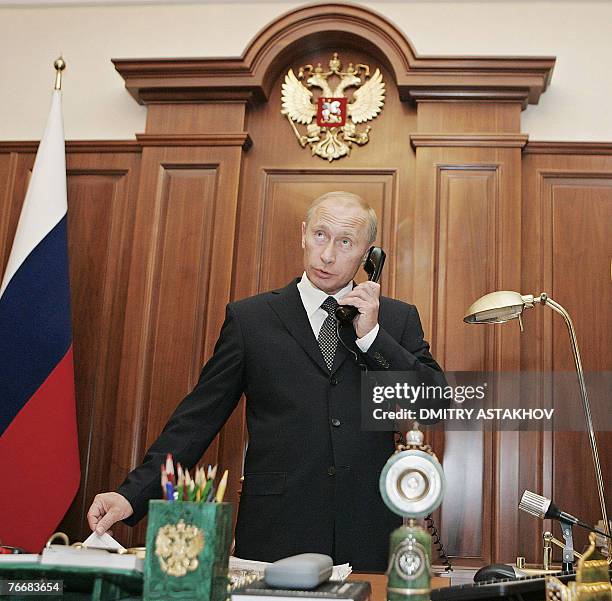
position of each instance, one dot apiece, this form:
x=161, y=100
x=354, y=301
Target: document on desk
x=62, y=555
x=19, y=558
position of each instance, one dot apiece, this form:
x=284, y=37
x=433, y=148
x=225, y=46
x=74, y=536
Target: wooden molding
x=98, y=146
x=469, y=140
x=221, y=139
x=581, y=148
x=443, y=93
x=520, y=79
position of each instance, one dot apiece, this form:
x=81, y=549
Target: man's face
x=334, y=242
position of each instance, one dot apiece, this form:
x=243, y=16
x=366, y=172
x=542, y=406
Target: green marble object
x=187, y=551
x=409, y=576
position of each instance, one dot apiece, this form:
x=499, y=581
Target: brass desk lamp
x=502, y=306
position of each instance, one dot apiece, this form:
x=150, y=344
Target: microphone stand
x=568, y=549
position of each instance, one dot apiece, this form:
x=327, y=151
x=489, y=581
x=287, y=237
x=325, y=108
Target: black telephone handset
x=373, y=267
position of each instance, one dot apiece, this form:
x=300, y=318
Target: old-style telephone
x=373, y=266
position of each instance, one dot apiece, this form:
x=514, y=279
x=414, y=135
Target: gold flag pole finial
x=60, y=65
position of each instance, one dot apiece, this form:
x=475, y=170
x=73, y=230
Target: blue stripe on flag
x=35, y=330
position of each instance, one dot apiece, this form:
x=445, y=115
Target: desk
x=379, y=583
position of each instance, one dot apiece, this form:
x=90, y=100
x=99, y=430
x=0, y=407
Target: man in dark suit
x=311, y=472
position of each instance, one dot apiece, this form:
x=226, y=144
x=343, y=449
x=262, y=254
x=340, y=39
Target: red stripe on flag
x=40, y=461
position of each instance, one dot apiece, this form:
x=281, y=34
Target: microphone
x=544, y=508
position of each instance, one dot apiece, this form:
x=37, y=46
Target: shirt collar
x=312, y=297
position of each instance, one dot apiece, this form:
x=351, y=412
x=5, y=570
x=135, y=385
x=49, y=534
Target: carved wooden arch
x=519, y=79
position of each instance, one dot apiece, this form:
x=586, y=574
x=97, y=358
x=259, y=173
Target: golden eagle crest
x=334, y=130
x=177, y=547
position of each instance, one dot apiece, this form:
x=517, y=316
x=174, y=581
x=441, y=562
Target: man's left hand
x=365, y=297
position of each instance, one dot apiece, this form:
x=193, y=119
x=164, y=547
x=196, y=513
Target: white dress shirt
x=312, y=299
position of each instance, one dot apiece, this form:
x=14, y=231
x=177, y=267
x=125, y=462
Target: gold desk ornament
x=61, y=535
x=177, y=547
x=592, y=579
x=334, y=129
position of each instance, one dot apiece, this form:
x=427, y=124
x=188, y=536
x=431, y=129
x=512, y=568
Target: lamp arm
x=555, y=306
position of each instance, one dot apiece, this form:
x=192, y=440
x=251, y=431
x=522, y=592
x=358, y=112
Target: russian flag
x=38, y=436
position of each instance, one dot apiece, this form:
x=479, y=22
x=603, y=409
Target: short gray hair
x=339, y=194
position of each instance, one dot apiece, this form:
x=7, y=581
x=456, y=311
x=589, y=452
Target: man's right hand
x=106, y=509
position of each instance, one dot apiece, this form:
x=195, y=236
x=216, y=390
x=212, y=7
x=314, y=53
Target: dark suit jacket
x=311, y=473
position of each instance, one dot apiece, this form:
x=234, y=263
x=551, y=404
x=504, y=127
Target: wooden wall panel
x=467, y=231
x=100, y=220
x=468, y=206
x=8, y=168
x=179, y=278
x=468, y=225
x=17, y=167
x=567, y=211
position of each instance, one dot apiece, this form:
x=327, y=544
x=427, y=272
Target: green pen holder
x=188, y=548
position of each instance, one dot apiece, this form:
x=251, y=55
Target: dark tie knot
x=329, y=304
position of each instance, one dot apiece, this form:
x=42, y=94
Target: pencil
x=221, y=488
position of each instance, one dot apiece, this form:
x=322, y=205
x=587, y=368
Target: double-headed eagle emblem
x=334, y=130
x=177, y=547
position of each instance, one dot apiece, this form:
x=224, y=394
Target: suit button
x=331, y=470
x=333, y=380
x=335, y=422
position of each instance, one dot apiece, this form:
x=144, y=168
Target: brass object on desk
x=177, y=547
x=547, y=557
x=61, y=535
x=592, y=579
x=140, y=552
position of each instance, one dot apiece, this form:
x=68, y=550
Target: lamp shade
x=498, y=307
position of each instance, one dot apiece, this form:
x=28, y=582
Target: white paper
x=62, y=555
x=106, y=541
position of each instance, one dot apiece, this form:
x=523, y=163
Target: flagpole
x=60, y=65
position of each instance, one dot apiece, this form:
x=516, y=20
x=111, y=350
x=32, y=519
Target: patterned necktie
x=327, y=335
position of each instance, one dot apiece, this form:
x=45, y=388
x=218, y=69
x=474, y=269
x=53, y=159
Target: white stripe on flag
x=45, y=202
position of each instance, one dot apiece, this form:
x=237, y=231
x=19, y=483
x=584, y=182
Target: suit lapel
x=287, y=304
